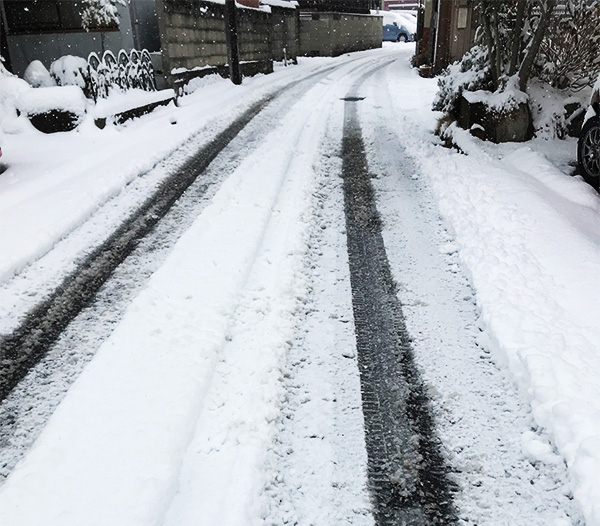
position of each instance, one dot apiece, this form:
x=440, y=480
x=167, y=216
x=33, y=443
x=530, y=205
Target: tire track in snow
x=407, y=472
x=237, y=422
x=27, y=344
x=81, y=336
x=175, y=336
x=481, y=417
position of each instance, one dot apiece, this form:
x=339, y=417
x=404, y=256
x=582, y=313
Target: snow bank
x=118, y=102
x=531, y=243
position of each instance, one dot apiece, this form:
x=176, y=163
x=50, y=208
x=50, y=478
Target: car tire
x=588, y=151
x=402, y=38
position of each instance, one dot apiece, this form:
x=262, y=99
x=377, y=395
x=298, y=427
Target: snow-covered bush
x=59, y=108
x=100, y=13
x=42, y=100
x=569, y=56
x=37, y=76
x=554, y=114
x=11, y=89
x=69, y=71
x=471, y=73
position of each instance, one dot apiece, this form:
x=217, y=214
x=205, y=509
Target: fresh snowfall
x=214, y=380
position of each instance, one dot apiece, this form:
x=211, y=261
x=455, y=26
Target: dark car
x=588, y=146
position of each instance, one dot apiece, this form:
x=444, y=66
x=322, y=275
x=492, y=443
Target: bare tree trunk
x=496, y=35
x=536, y=41
x=516, y=43
x=491, y=45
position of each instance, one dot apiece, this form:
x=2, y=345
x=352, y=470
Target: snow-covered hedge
x=471, y=73
x=570, y=52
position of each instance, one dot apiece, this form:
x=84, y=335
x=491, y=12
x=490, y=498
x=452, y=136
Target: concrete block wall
x=192, y=34
x=332, y=34
x=285, y=29
x=254, y=34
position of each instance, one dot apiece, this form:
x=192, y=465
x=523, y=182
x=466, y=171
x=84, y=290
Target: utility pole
x=233, y=52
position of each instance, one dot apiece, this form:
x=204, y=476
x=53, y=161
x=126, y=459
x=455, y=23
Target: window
x=463, y=14
x=46, y=16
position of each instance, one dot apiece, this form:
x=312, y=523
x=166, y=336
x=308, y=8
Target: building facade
x=48, y=29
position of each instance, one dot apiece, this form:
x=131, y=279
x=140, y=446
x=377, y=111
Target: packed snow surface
x=178, y=417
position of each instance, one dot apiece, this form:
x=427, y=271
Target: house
x=447, y=31
x=48, y=29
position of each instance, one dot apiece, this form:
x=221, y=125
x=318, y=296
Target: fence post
x=233, y=52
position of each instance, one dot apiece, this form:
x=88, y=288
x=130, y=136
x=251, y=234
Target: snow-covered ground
x=227, y=391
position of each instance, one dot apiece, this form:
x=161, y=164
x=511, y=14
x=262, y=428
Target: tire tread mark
x=28, y=343
x=407, y=472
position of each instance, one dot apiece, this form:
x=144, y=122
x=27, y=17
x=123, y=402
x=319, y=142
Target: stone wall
x=332, y=34
x=193, y=35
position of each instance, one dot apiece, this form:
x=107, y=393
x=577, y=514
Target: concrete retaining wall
x=332, y=34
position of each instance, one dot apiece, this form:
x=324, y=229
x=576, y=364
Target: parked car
x=588, y=146
x=396, y=33
x=397, y=27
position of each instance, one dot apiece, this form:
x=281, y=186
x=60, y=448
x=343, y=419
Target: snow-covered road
x=214, y=380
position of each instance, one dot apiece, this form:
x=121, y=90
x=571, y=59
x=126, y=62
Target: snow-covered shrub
x=70, y=71
x=569, y=55
x=59, y=108
x=11, y=89
x=37, y=76
x=471, y=73
x=100, y=13
x=556, y=115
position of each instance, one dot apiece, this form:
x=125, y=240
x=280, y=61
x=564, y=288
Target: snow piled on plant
x=469, y=74
x=37, y=76
x=63, y=98
x=508, y=98
x=69, y=71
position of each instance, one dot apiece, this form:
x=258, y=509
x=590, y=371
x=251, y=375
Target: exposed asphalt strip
x=406, y=470
x=24, y=347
